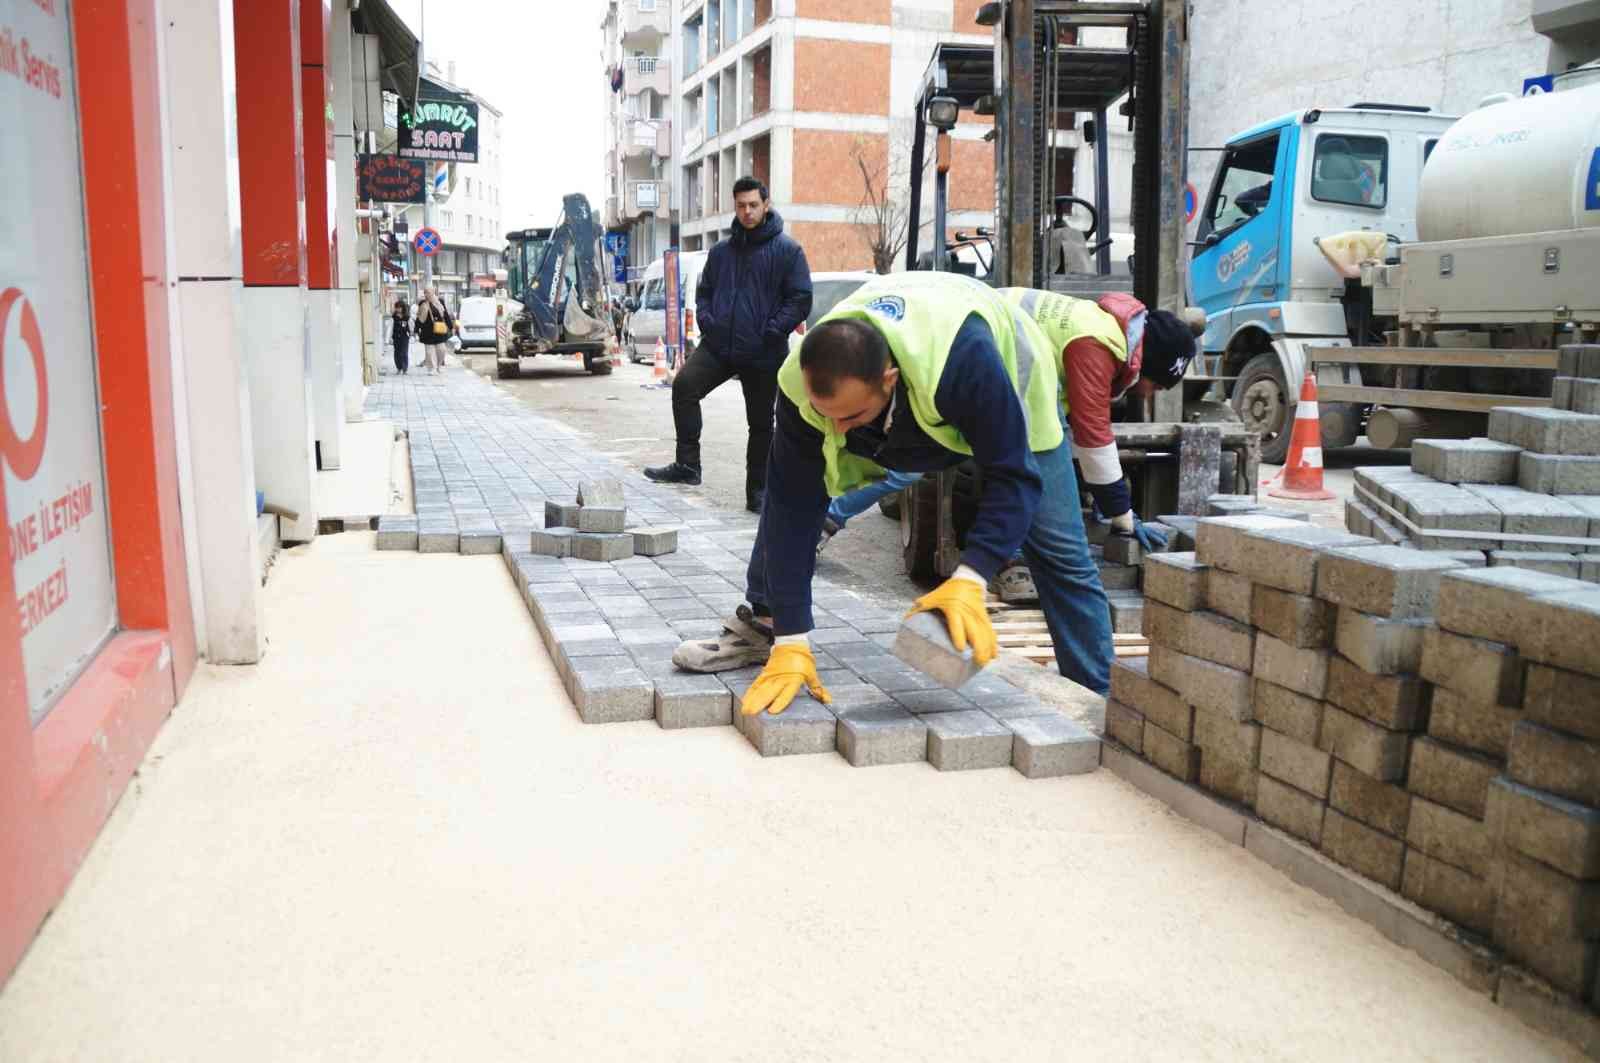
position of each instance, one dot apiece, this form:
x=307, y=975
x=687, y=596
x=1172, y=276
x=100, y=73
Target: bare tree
x=883, y=220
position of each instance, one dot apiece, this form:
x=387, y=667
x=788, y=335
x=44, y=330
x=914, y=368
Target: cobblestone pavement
x=483, y=467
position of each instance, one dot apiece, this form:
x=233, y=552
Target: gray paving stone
x=969, y=740
x=1584, y=396
x=805, y=727
x=1546, y=431
x=589, y=546
x=1176, y=579
x=1579, y=360
x=1529, y=513
x=560, y=515
x=1558, y=474
x=1226, y=543
x=607, y=694
x=478, y=542
x=925, y=702
x=1046, y=747
x=602, y=520
x=654, y=541
x=1014, y=707
x=923, y=642
x=436, y=540
x=605, y=492
x=1457, y=461
x=871, y=737
x=1388, y=581
x=1445, y=507
x=397, y=533
x=693, y=701
x=1554, y=562
x=552, y=542
x=1379, y=645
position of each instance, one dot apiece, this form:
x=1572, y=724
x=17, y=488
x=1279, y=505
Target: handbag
x=441, y=329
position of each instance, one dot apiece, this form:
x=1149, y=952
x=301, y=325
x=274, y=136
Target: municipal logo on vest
x=890, y=306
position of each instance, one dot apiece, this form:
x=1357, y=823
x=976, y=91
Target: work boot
x=676, y=473
x=746, y=639
x=754, y=498
x=1015, y=586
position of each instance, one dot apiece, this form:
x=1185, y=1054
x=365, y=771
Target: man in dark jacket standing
x=754, y=291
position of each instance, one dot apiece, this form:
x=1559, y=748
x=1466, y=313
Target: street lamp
x=943, y=112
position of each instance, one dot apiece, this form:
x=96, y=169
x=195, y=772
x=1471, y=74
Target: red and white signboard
x=57, y=532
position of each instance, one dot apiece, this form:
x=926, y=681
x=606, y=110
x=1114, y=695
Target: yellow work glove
x=790, y=667
x=961, y=602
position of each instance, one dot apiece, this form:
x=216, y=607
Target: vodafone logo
x=23, y=455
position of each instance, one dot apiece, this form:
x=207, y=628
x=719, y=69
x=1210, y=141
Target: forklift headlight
x=943, y=112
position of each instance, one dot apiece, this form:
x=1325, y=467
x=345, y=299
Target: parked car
x=477, y=320
x=829, y=289
x=649, y=322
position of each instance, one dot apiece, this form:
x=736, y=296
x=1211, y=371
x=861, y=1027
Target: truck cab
x=1268, y=290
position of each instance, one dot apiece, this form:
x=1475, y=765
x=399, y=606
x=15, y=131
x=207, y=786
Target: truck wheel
x=919, y=528
x=889, y=505
x=598, y=364
x=1261, y=400
x=508, y=370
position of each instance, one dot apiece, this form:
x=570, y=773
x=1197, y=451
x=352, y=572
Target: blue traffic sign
x=427, y=241
x=1538, y=86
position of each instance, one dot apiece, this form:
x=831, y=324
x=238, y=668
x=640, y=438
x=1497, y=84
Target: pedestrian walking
x=917, y=373
x=435, y=326
x=754, y=291
x=400, y=335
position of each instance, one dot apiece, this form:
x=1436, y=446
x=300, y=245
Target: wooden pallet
x=1023, y=633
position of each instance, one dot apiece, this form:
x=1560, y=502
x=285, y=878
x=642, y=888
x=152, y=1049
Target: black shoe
x=753, y=500
x=676, y=473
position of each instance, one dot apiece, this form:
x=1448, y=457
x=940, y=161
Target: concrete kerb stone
x=1175, y=579
x=1046, y=747
x=1379, y=645
x=1478, y=669
x=1224, y=542
x=1203, y=683
x=967, y=740
x=1455, y=461
x=1490, y=603
x=1288, y=558
x=1566, y=629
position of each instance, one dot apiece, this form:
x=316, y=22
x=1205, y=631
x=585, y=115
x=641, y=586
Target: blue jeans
x=857, y=502
x=1068, y=581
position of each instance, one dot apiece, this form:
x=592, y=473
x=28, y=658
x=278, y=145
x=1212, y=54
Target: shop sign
x=57, y=532
x=391, y=179
x=674, y=315
x=443, y=126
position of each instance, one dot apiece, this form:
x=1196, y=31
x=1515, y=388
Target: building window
x=466, y=187
x=647, y=5
x=691, y=46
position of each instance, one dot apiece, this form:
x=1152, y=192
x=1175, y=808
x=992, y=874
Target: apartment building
x=803, y=94
x=638, y=108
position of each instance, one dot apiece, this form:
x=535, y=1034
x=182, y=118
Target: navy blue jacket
x=755, y=288
x=975, y=395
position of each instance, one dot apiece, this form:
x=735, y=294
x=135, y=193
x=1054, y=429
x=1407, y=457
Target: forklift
x=1036, y=80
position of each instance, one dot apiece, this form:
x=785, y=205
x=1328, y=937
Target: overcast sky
x=538, y=62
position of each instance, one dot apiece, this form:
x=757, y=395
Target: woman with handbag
x=400, y=335
x=435, y=326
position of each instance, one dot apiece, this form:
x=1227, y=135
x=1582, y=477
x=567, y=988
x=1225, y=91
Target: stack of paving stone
x=1537, y=474
x=612, y=630
x=595, y=527
x=1531, y=642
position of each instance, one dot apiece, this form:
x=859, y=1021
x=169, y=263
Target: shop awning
x=397, y=48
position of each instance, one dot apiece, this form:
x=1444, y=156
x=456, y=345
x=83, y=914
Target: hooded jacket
x=754, y=290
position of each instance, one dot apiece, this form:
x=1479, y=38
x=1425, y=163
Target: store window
x=50, y=445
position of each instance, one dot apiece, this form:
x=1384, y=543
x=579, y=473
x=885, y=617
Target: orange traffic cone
x=658, y=372
x=1302, y=473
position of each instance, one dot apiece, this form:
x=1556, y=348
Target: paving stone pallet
x=1421, y=718
x=487, y=471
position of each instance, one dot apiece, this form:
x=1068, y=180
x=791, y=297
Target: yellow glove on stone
x=790, y=667
x=961, y=601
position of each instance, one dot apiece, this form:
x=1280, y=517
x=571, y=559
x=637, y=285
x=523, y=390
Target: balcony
x=648, y=199
x=645, y=136
x=643, y=20
x=646, y=72
x=612, y=216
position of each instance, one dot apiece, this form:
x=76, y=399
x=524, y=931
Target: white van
x=649, y=322
x=477, y=320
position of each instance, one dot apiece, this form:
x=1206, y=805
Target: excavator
x=557, y=299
